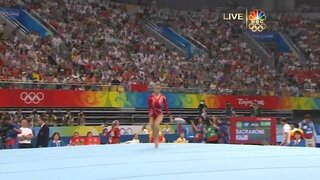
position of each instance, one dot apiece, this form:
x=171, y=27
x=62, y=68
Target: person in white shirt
x=25, y=136
x=286, y=132
x=135, y=140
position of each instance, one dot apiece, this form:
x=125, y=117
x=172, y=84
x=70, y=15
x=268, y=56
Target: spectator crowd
x=103, y=43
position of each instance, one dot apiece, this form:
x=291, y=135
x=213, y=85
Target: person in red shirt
x=156, y=103
x=76, y=140
x=90, y=139
x=161, y=138
x=114, y=133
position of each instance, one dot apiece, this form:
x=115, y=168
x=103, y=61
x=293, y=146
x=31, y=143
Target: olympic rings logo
x=126, y=131
x=32, y=97
x=257, y=26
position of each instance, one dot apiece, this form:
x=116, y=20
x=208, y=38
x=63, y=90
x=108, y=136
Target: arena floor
x=170, y=161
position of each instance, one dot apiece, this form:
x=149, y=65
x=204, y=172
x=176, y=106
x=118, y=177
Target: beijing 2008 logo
x=257, y=18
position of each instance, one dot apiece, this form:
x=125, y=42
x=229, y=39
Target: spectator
x=286, y=132
x=81, y=119
x=76, y=140
x=234, y=114
x=90, y=140
x=43, y=135
x=181, y=139
x=135, y=139
x=115, y=82
x=298, y=140
x=8, y=132
x=212, y=131
x=229, y=110
x=56, y=140
x=33, y=117
x=202, y=107
x=68, y=119
x=115, y=132
x=18, y=116
x=198, y=130
x=25, y=136
x=308, y=130
x=53, y=119
x=167, y=129
x=256, y=110
x=46, y=116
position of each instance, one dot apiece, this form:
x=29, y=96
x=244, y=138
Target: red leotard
x=156, y=104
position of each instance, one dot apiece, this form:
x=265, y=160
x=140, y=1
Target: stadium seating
x=108, y=44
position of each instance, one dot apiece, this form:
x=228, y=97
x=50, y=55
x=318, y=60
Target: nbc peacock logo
x=257, y=18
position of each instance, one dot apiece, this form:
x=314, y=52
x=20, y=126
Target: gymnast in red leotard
x=156, y=103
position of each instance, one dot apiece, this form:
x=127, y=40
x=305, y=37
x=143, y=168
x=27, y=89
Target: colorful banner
x=80, y=99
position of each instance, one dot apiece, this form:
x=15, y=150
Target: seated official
x=298, y=140
x=91, y=140
x=76, y=140
x=181, y=139
x=296, y=126
x=135, y=140
x=56, y=141
x=160, y=137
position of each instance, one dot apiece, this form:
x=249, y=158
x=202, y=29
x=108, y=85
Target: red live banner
x=253, y=130
x=82, y=99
